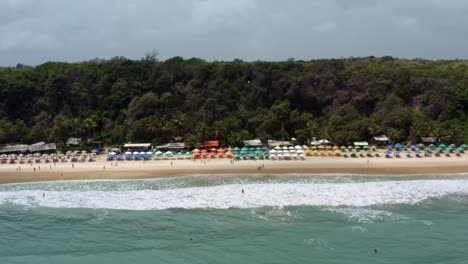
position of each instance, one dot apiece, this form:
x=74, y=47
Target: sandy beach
x=102, y=169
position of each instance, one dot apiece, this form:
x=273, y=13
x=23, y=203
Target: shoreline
x=105, y=170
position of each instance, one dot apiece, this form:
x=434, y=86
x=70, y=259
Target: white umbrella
x=300, y=151
x=277, y=147
x=291, y=148
x=142, y=153
x=273, y=151
x=298, y=147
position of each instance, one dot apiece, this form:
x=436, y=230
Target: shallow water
x=207, y=219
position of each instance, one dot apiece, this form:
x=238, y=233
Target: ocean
x=238, y=219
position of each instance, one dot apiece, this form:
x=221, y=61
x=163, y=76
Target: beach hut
x=111, y=156
x=221, y=152
x=147, y=155
x=388, y=153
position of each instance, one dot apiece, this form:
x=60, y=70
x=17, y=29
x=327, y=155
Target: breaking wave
x=197, y=192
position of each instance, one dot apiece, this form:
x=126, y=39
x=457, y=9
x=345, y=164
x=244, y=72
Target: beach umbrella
x=305, y=147
x=397, y=145
x=285, y=148
x=357, y=147
x=236, y=149
x=297, y=147
x=408, y=152
x=388, y=152
x=442, y=146
x=277, y=147
x=321, y=147
x=195, y=151
x=245, y=149
x=273, y=151
x=366, y=147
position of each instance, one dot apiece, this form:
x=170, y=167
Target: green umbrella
x=442, y=146
x=357, y=147
x=366, y=147
x=245, y=148
x=236, y=149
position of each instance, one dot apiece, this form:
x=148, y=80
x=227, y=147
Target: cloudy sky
x=36, y=31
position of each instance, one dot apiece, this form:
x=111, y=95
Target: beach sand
x=10, y=173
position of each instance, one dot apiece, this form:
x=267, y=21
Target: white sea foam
x=333, y=194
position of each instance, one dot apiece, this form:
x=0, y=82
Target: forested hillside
x=343, y=100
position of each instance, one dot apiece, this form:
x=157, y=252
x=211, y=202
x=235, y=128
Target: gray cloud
x=35, y=31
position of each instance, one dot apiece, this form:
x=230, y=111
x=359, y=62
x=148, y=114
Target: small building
x=253, y=143
x=278, y=143
x=42, y=147
x=72, y=141
x=14, y=148
x=137, y=146
x=361, y=144
x=211, y=144
x=382, y=140
x=428, y=140
x=174, y=147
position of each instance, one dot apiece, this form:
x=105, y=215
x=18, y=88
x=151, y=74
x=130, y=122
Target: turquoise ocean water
x=207, y=219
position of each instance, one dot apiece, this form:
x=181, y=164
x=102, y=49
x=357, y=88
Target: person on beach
x=73, y=165
x=34, y=169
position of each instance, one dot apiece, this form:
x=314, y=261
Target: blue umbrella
x=413, y=147
x=388, y=152
x=397, y=153
x=95, y=150
x=397, y=145
x=408, y=152
x=418, y=152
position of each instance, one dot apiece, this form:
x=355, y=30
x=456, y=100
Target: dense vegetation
x=343, y=100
